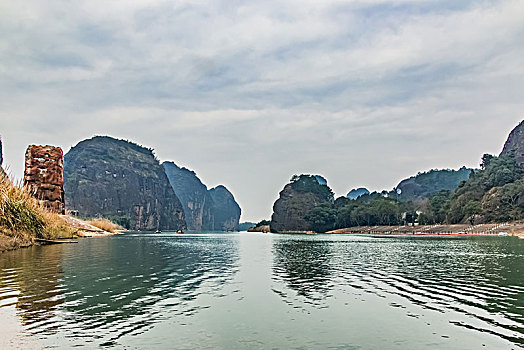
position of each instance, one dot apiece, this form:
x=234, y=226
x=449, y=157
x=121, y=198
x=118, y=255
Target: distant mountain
x=226, y=210
x=193, y=194
x=295, y=202
x=207, y=210
x=122, y=181
x=355, y=193
x=424, y=184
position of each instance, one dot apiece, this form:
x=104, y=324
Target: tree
x=322, y=218
x=486, y=159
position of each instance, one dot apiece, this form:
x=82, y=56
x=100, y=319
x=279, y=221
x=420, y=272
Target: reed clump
x=105, y=224
x=21, y=215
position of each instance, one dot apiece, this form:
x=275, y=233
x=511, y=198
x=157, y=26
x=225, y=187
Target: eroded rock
x=44, y=175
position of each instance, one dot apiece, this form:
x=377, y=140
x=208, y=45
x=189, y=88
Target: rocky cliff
x=515, y=144
x=122, y=181
x=226, y=210
x=296, y=200
x=194, y=196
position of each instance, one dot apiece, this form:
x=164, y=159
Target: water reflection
x=102, y=289
x=218, y=291
x=479, y=281
x=304, y=265
x=30, y=279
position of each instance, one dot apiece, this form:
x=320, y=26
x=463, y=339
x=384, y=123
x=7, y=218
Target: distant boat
x=179, y=231
x=503, y=233
x=158, y=231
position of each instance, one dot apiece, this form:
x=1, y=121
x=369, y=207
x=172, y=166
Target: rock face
x=424, y=184
x=44, y=175
x=515, y=144
x=121, y=181
x=226, y=210
x=355, y=193
x=296, y=200
x=196, y=201
x=2, y=172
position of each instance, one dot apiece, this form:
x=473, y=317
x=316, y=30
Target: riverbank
x=79, y=229
x=511, y=229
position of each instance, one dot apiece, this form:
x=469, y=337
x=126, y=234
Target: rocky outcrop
x=296, y=200
x=226, y=210
x=515, y=144
x=2, y=172
x=194, y=196
x=121, y=181
x=44, y=175
x=425, y=184
x=357, y=192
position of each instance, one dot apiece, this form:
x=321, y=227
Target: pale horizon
x=246, y=95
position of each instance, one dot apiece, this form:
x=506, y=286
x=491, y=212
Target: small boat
x=503, y=233
x=158, y=231
x=179, y=231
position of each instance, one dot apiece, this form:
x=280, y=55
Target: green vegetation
x=321, y=218
x=310, y=183
x=495, y=193
x=427, y=183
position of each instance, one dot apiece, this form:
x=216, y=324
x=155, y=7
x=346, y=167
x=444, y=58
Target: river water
x=264, y=291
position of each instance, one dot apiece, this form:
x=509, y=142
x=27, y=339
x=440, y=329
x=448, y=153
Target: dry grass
x=22, y=216
x=105, y=224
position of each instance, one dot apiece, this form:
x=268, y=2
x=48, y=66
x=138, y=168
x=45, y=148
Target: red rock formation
x=44, y=174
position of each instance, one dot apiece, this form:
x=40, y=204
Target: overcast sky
x=248, y=93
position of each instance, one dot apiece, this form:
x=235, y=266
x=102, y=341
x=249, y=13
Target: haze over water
x=263, y=291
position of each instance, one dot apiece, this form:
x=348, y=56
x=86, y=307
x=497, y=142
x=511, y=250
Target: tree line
x=495, y=193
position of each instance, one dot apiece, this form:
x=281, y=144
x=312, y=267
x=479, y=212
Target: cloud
x=248, y=93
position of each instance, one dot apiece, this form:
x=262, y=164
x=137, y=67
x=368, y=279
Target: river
x=264, y=291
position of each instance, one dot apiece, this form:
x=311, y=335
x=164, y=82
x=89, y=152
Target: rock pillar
x=44, y=175
x=2, y=172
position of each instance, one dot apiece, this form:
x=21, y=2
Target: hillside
x=121, y=181
x=427, y=183
x=298, y=198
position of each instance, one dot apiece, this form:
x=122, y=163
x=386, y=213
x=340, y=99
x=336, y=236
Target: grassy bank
x=22, y=219
x=105, y=224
